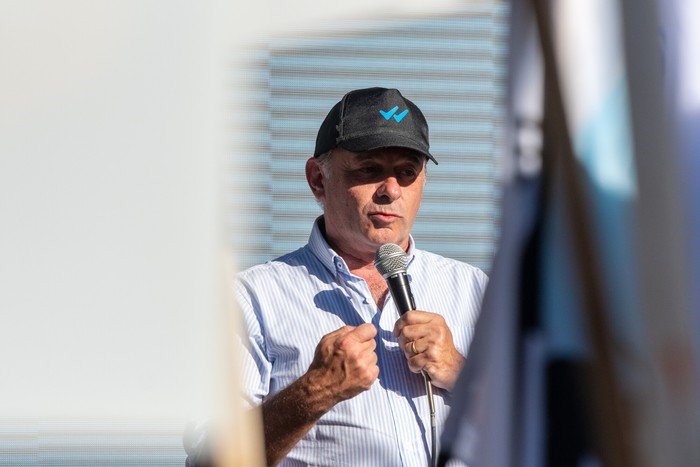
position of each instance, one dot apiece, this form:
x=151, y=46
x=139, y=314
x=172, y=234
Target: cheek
x=357, y=199
x=415, y=202
x=353, y=211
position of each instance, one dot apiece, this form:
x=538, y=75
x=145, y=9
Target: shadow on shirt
x=394, y=375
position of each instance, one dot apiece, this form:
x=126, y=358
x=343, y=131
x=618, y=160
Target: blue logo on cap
x=390, y=113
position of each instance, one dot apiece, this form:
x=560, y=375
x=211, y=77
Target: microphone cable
x=433, y=424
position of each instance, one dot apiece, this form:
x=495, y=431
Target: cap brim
x=384, y=140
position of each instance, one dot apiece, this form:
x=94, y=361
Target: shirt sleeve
x=255, y=364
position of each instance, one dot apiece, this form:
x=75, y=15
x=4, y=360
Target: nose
x=390, y=189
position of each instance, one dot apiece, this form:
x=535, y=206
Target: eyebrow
x=377, y=154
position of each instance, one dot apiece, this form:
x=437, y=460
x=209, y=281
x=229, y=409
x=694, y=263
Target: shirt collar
x=329, y=258
x=320, y=247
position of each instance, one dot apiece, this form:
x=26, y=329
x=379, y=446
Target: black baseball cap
x=373, y=118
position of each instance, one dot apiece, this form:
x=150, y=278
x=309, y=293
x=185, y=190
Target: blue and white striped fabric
x=290, y=303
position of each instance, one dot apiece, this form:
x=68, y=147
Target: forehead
x=388, y=154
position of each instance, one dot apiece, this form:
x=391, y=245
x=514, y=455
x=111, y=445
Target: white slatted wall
x=451, y=66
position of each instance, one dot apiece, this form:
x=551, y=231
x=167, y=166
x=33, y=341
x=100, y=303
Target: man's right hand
x=345, y=363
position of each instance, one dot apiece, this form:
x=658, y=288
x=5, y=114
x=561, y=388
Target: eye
x=369, y=170
x=408, y=173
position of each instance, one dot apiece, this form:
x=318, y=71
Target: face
x=369, y=198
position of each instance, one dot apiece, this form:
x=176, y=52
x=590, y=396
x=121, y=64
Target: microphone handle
x=401, y=292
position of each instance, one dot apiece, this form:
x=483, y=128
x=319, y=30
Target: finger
x=416, y=363
x=404, y=320
x=398, y=328
x=423, y=359
x=417, y=317
x=413, y=333
x=411, y=318
x=364, y=332
x=361, y=339
x=431, y=360
x=364, y=347
x=411, y=348
x=340, y=331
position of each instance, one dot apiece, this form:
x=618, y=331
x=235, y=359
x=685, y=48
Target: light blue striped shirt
x=290, y=303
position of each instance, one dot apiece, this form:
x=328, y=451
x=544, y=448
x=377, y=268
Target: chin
x=381, y=235
x=380, y=240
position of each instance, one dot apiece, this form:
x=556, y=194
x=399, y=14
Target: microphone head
x=390, y=259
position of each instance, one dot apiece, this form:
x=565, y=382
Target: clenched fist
x=345, y=363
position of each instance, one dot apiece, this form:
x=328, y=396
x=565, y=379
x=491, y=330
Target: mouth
x=384, y=216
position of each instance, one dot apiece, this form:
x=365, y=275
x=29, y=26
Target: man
x=333, y=366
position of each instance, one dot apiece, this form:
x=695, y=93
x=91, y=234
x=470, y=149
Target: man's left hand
x=427, y=342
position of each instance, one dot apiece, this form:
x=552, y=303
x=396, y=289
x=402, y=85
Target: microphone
x=391, y=262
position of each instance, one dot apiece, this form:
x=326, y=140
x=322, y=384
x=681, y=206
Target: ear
x=314, y=177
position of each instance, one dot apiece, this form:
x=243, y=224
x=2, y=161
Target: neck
x=362, y=265
x=355, y=259
x=364, y=268
x=375, y=282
